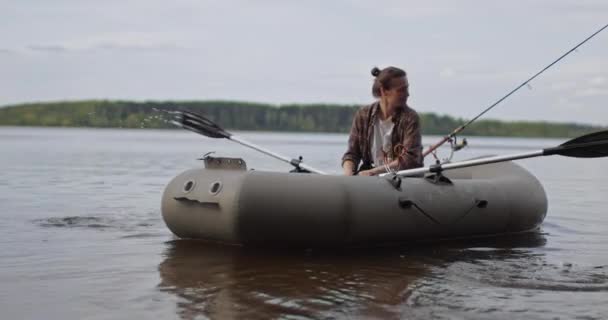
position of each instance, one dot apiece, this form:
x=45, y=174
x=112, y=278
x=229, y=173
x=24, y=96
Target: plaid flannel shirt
x=406, y=133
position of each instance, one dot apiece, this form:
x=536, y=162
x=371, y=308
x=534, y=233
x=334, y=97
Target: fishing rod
x=202, y=125
x=453, y=134
x=593, y=145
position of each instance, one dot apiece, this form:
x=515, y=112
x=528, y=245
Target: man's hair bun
x=375, y=71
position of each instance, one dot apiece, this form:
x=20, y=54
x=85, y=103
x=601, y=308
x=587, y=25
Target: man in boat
x=385, y=136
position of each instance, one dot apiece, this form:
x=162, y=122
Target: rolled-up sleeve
x=411, y=156
x=353, y=153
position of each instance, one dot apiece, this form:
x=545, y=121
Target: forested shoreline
x=254, y=116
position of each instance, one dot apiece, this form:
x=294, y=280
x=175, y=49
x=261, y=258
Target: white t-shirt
x=381, y=140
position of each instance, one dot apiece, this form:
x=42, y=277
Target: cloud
x=591, y=92
x=136, y=47
x=598, y=81
x=594, y=86
x=405, y=9
x=447, y=73
x=47, y=48
x=569, y=104
x=494, y=76
x=563, y=85
x=582, y=6
x=127, y=41
x=6, y=51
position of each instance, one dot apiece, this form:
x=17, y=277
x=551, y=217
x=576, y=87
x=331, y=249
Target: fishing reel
x=455, y=146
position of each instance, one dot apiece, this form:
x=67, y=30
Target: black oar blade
x=200, y=124
x=593, y=145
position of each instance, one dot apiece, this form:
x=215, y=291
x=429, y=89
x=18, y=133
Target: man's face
x=399, y=92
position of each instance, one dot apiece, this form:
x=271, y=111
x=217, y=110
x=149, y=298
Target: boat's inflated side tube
x=277, y=209
x=202, y=203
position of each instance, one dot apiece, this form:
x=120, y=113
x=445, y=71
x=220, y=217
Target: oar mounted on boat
x=592, y=145
x=200, y=124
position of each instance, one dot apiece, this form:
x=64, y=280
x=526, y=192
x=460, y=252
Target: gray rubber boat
x=225, y=202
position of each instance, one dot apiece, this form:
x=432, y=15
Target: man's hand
x=367, y=173
x=348, y=168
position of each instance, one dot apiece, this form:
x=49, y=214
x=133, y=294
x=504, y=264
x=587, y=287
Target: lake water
x=81, y=237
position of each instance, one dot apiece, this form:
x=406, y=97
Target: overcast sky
x=461, y=56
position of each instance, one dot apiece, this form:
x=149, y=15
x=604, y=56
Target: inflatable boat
x=227, y=203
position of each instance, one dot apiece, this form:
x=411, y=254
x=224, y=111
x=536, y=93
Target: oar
x=200, y=124
x=593, y=145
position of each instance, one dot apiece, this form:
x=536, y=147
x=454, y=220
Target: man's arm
x=353, y=154
x=348, y=167
x=410, y=155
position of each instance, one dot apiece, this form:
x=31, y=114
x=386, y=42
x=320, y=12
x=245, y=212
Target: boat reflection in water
x=226, y=282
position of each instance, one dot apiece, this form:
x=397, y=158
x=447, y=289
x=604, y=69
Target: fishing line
x=462, y=127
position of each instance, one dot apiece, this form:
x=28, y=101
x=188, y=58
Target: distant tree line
x=254, y=116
